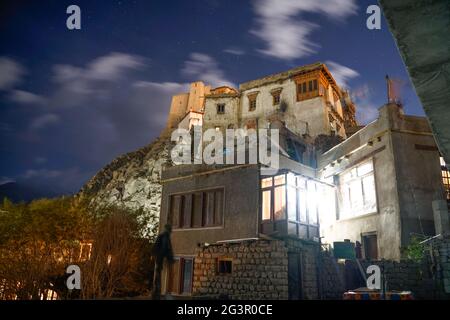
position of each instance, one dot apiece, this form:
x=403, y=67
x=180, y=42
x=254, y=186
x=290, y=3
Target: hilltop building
x=246, y=235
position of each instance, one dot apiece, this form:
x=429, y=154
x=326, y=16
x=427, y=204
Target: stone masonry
x=260, y=270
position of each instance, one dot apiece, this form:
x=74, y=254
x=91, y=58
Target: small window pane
x=291, y=179
x=365, y=168
x=279, y=203
x=292, y=203
x=301, y=182
x=302, y=205
x=267, y=182
x=266, y=204
x=369, y=193
x=187, y=275
x=312, y=202
x=279, y=180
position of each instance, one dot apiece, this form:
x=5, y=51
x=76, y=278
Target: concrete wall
x=241, y=207
x=418, y=174
x=212, y=119
x=385, y=220
x=297, y=113
x=404, y=193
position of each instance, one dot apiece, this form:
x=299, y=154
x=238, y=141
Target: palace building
x=246, y=235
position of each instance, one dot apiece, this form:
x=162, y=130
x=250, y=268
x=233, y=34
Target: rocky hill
x=133, y=179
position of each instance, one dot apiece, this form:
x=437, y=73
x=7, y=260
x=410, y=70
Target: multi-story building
x=366, y=189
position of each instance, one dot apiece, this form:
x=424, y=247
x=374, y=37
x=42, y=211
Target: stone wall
x=441, y=252
x=309, y=265
x=259, y=270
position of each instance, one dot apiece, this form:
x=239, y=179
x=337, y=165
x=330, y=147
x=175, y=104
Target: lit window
x=266, y=195
x=279, y=202
x=290, y=197
x=274, y=198
x=357, y=187
x=445, y=178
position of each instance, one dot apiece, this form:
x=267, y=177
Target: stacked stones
x=259, y=270
x=443, y=254
x=309, y=252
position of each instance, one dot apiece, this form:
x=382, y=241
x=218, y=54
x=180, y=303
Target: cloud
x=4, y=180
x=25, y=97
x=11, y=73
x=54, y=181
x=203, y=67
x=234, y=51
x=44, y=121
x=281, y=24
x=40, y=160
x=341, y=74
x=366, y=109
x=41, y=173
x=108, y=107
x=108, y=68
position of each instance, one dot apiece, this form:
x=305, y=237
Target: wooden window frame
x=252, y=97
x=224, y=259
x=220, y=108
x=186, y=208
x=276, y=96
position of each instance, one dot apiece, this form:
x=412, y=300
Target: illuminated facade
x=366, y=189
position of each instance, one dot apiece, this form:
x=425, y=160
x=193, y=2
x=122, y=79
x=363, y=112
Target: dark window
x=186, y=276
x=304, y=87
x=276, y=97
x=224, y=266
x=315, y=84
x=197, y=209
x=252, y=102
x=299, y=88
x=221, y=108
x=180, y=275
x=370, y=245
x=310, y=85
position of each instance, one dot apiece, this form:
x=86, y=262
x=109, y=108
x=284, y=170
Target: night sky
x=73, y=100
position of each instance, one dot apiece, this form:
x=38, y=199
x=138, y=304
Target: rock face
x=133, y=179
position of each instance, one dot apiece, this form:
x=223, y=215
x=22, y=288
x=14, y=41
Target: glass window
x=302, y=206
x=292, y=203
x=279, y=180
x=266, y=182
x=312, y=202
x=358, y=192
x=187, y=276
x=279, y=202
x=266, y=204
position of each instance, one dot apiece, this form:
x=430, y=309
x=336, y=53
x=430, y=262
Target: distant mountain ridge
x=20, y=191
